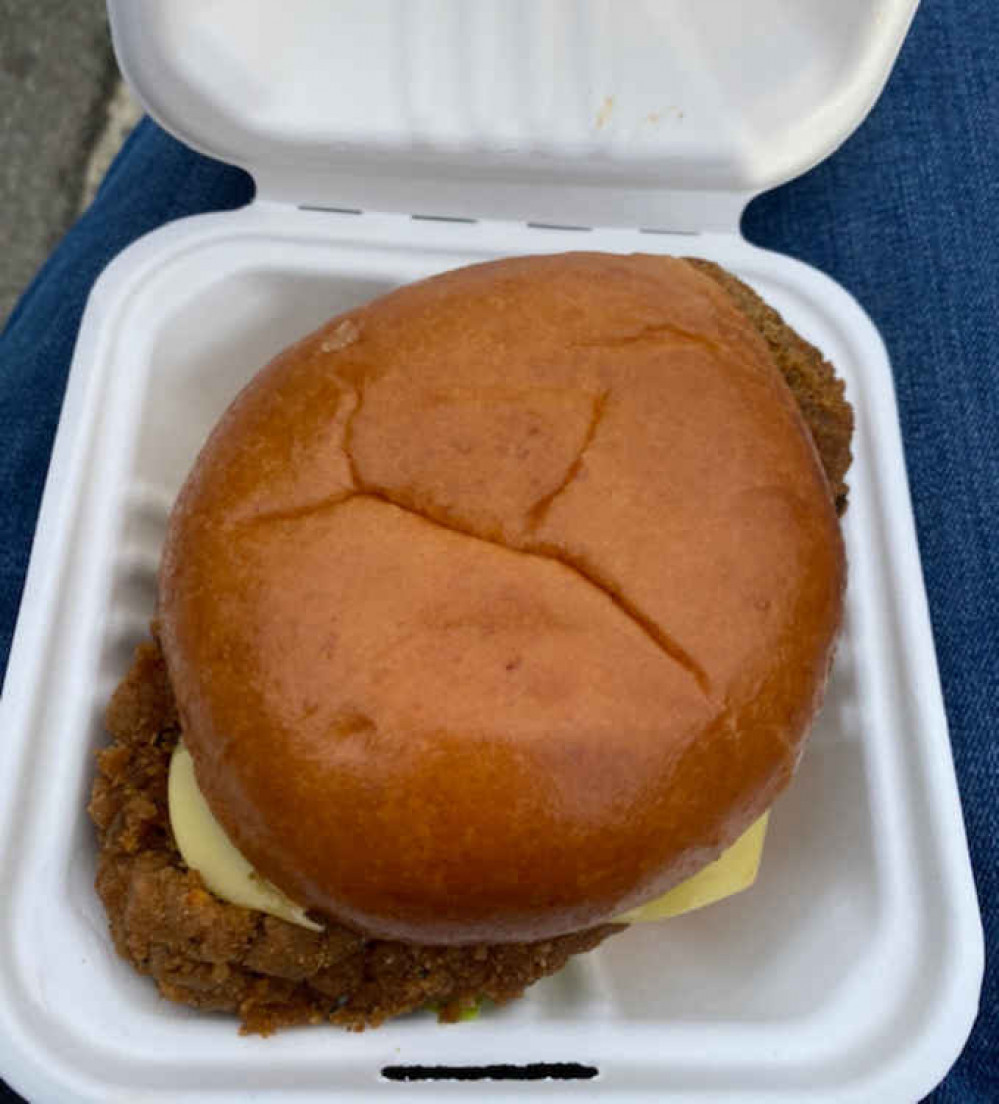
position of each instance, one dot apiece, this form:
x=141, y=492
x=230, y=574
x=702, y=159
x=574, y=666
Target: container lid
x=656, y=113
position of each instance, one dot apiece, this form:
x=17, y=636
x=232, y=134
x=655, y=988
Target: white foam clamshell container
x=851, y=971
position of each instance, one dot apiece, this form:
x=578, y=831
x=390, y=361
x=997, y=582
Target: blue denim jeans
x=904, y=215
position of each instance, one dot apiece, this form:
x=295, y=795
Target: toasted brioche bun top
x=502, y=604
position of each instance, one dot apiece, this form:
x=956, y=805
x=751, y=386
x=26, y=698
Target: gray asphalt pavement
x=56, y=76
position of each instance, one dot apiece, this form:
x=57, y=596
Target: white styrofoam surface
x=850, y=972
x=661, y=113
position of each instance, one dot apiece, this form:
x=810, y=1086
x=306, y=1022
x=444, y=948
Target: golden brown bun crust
x=820, y=396
x=503, y=603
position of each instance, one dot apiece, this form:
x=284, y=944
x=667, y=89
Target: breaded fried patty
x=220, y=957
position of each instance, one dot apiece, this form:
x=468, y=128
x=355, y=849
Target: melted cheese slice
x=206, y=848
x=734, y=870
